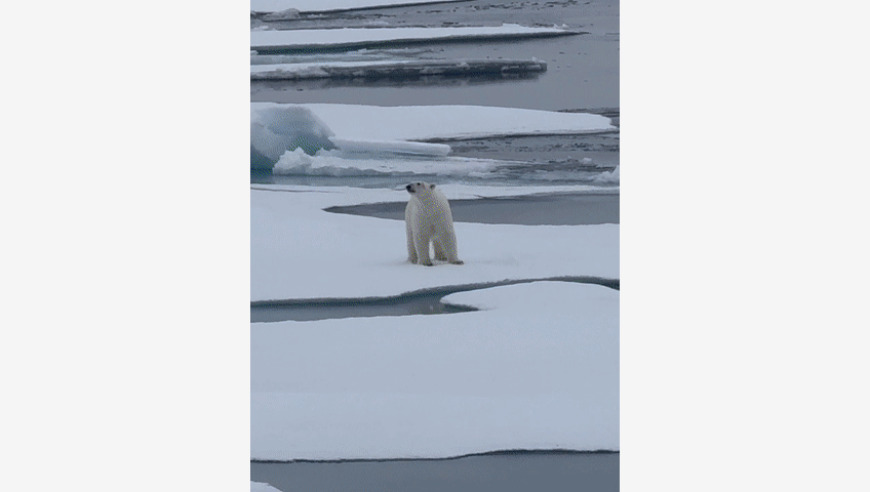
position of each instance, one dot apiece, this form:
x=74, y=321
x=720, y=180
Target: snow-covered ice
x=361, y=122
x=314, y=70
x=275, y=130
x=349, y=146
x=262, y=487
x=329, y=5
x=386, y=163
x=300, y=251
x=611, y=177
x=364, y=56
x=393, y=69
x=278, y=128
x=312, y=39
x=537, y=368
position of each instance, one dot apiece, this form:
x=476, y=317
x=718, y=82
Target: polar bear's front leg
x=422, y=244
x=412, y=248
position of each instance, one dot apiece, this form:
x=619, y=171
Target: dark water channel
x=426, y=301
x=502, y=472
x=550, y=209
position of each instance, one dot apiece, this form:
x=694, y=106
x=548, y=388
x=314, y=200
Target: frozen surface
x=262, y=487
x=277, y=128
x=387, y=163
x=377, y=130
x=349, y=37
x=611, y=177
x=300, y=251
x=349, y=146
x=433, y=387
x=327, y=5
x=397, y=69
x=317, y=70
x=362, y=122
x=274, y=130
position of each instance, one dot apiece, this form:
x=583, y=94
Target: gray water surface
x=424, y=301
x=582, y=71
x=511, y=472
x=428, y=303
x=550, y=209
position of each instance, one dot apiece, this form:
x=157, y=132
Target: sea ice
x=392, y=69
x=276, y=128
x=341, y=162
x=315, y=39
x=538, y=368
x=329, y=5
x=262, y=487
x=608, y=177
x=386, y=147
x=300, y=251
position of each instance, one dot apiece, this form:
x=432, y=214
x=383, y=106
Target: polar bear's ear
x=432, y=186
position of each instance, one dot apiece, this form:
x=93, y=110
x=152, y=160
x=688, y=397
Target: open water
x=507, y=472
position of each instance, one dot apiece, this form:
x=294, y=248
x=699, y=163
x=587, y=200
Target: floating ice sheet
x=394, y=69
x=300, y=251
x=372, y=163
x=317, y=39
x=536, y=369
x=329, y=5
x=262, y=487
x=278, y=128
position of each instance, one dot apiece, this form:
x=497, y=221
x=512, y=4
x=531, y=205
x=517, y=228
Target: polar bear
x=428, y=219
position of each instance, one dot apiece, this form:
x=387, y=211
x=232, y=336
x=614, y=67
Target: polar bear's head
x=421, y=187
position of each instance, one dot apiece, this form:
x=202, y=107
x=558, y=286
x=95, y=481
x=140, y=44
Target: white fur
x=428, y=220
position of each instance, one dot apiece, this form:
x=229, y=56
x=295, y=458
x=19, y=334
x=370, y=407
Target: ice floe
x=318, y=39
x=386, y=147
x=331, y=5
x=278, y=128
x=300, y=251
x=608, y=177
x=262, y=487
x=537, y=369
x=337, y=163
x=395, y=69
x=275, y=130
x=361, y=122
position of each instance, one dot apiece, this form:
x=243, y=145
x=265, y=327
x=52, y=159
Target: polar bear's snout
x=419, y=185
